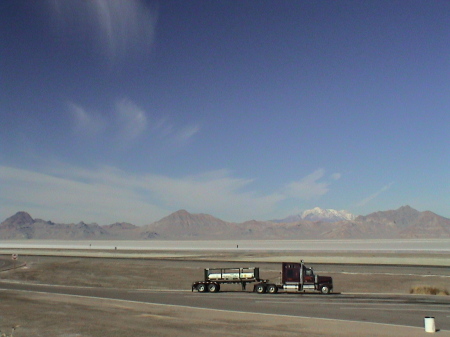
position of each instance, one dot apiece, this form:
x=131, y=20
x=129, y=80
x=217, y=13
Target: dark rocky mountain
x=122, y=230
x=427, y=225
x=401, y=217
x=184, y=225
x=18, y=226
x=19, y=219
x=404, y=222
x=120, y=226
x=22, y=226
x=77, y=231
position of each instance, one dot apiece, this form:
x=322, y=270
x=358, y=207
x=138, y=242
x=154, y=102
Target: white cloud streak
x=86, y=123
x=165, y=129
x=215, y=191
x=120, y=27
x=336, y=176
x=131, y=119
x=373, y=196
x=187, y=133
x=126, y=123
x=309, y=187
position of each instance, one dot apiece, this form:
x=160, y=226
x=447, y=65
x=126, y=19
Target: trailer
x=294, y=277
x=214, y=277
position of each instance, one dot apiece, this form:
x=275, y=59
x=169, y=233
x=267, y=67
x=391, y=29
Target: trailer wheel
x=201, y=288
x=272, y=289
x=324, y=289
x=260, y=288
x=213, y=287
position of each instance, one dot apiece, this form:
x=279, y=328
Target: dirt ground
x=38, y=314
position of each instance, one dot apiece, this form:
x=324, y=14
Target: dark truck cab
x=297, y=277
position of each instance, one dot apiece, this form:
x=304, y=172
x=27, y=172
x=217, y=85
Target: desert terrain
x=43, y=314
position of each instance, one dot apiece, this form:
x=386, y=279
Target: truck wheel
x=260, y=288
x=213, y=288
x=272, y=289
x=201, y=288
x=325, y=290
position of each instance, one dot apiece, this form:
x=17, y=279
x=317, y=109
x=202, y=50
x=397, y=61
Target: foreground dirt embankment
x=67, y=316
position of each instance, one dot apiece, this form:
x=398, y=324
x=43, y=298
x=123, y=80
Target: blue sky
x=130, y=110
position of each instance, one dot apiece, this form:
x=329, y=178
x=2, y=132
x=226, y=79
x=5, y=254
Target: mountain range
x=405, y=223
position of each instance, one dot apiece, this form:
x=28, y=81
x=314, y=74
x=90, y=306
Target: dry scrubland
x=68, y=316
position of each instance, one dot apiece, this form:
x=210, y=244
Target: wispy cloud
x=309, y=187
x=216, y=191
x=373, y=196
x=336, y=176
x=164, y=128
x=86, y=123
x=187, y=132
x=127, y=122
x=131, y=119
x=120, y=27
x=105, y=195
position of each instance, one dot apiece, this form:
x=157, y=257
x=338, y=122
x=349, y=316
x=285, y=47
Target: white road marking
x=384, y=305
x=393, y=309
x=391, y=274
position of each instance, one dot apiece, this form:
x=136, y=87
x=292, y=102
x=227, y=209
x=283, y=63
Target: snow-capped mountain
x=320, y=214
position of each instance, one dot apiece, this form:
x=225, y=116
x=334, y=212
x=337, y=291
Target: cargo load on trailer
x=295, y=277
x=214, y=277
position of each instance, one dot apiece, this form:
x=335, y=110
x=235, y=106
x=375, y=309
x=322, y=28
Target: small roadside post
x=14, y=257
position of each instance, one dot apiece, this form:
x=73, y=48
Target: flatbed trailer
x=214, y=277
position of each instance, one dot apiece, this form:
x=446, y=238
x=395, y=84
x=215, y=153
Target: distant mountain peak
x=181, y=211
x=324, y=214
x=120, y=226
x=19, y=219
x=401, y=216
x=185, y=224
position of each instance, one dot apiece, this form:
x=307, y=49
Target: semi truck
x=294, y=277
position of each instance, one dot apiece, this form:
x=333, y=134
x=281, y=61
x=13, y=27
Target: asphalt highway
x=405, y=310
